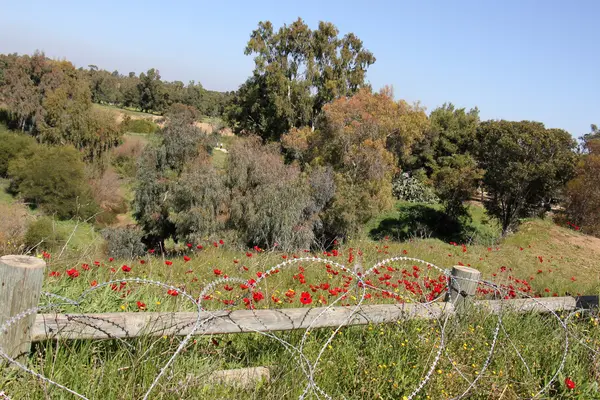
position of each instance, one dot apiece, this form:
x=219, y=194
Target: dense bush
x=199, y=201
x=270, y=201
x=124, y=243
x=54, y=180
x=13, y=145
x=182, y=141
x=43, y=235
x=138, y=125
x=455, y=181
x=408, y=188
x=125, y=157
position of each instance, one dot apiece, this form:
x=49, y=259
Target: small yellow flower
x=122, y=307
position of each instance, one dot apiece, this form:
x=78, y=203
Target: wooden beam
x=124, y=325
x=540, y=305
x=127, y=325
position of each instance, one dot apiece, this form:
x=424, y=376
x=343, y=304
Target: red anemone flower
x=305, y=298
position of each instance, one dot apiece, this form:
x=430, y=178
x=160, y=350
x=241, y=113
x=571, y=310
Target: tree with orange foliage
x=361, y=138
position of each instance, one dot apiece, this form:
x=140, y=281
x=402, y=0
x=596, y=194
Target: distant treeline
x=20, y=74
x=149, y=93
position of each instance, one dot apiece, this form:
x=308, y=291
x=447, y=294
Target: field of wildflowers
x=476, y=356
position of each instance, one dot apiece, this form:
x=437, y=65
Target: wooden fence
x=21, y=281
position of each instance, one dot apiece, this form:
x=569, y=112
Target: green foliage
x=455, y=181
x=412, y=190
x=124, y=243
x=152, y=95
x=53, y=101
x=42, y=234
x=182, y=141
x=297, y=71
x=138, y=125
x=199, y=202
x=422, y=221
x=451, y=131
x=150, y=204
x=54, y=180
x=12, y=146
x=270, y=201
x=525, y=164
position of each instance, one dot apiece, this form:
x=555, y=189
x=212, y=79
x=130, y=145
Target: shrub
x=408, y=188
x=54, y=180
x=125, y=157
x=270, y=201
x=199, y=201
x=13, y=145
x=107, y=193
x=456, y=181
x=42, y=234
x=182, y=141
x=124, y=243
x=138, y=125
x=182, y=111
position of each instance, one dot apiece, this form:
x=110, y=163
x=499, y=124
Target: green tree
x=271, y=202
x=200, y=201
x=152, y=94
x=54, y=180
x=525, y=164
x=129, y=92
x=455, y=180
x=151, y=201
x=182, y=140
x=52, y=100
x=12, y=146
x=352, y=137
x=297, y=71
x=451, y=131
x=20, y=90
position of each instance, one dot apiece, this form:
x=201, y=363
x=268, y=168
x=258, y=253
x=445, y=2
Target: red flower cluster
x=73, y=273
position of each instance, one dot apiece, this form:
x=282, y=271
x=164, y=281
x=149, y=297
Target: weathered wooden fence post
x=21, y=280
x=463, y=287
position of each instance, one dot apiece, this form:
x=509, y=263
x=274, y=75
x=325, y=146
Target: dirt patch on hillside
x=560, y=236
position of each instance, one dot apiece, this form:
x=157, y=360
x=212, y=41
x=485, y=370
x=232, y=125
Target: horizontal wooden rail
x=127, y=325
x=123, y=325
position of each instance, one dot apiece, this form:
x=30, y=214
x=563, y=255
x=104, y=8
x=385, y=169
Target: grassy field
x=377, y=361
x=125, y=110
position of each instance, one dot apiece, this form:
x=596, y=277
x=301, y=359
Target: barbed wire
x=308, y=367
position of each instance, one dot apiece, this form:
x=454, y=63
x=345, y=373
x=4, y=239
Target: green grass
x=367, y=362
x=126, y=110
x=219, y=159
x=420, y=220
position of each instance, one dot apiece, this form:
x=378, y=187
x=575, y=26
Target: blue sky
x=526, y=59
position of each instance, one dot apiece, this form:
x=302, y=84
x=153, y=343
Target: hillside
x=208, y=124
